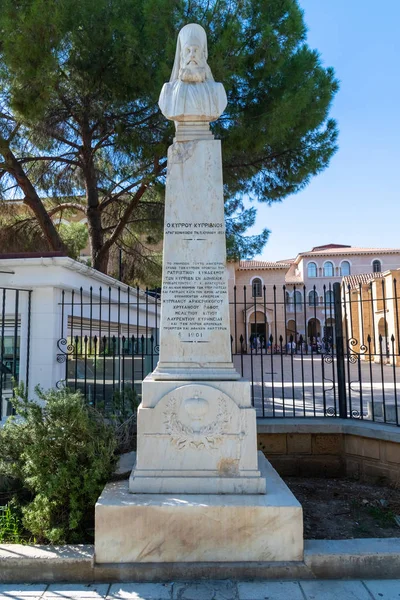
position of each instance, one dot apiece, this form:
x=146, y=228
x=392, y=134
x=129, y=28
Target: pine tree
x=80, y=81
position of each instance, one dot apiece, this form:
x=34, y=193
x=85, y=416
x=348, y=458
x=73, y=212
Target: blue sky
x=356, y=200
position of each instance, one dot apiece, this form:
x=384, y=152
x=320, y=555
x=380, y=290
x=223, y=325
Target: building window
x=329, y=297
x=345, y=268
x=376, y=266
x=312, y=269
x=313, y=298
x=298, y=299
x=287, y=298
x=328, y=269
x=257, y=288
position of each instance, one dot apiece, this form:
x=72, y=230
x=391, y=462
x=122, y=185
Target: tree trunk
x=95, y=231
x=96, y=235
x=32, y=199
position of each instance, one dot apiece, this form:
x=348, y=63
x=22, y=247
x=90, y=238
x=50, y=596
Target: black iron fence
x=306, y=353
x=109, y=343
x=15, y=325
x=320, y=355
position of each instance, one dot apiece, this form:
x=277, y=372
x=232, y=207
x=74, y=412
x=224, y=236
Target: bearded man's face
x=192, y=64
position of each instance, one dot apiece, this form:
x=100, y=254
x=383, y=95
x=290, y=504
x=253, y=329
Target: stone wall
x=323, y=448
x=304, y=454
x=376, y=460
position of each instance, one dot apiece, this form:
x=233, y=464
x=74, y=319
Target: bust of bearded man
x=192, y=95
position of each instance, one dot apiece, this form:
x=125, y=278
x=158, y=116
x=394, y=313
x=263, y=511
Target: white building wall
x=46, y=278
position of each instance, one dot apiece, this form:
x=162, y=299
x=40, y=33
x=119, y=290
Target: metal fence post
x=340, y=351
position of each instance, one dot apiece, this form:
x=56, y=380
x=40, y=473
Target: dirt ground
x=343, y=508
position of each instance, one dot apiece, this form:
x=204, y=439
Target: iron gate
x=15, y=326
x=347, y=368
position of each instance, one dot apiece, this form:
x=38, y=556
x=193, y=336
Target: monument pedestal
x=178, y=528
x=196, y=438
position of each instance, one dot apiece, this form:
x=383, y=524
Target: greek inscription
x=195, y=293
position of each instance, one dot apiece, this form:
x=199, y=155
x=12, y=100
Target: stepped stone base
x=175, y=528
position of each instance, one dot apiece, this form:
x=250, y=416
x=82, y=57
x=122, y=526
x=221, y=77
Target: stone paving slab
x=384, y=590
x=29, y=591
x=206, y=590
x=335, y=590
x=140, y=591
x=76, y=591
x=210, y=590
x=278, y=590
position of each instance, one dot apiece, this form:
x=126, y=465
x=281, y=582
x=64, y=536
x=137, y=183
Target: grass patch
x=11, y=528
x=384, y=517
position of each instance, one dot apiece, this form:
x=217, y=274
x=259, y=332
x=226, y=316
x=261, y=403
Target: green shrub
x=124, y=419
x=62, y=452
x=124, y=405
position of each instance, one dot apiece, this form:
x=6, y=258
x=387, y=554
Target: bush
x=124, y=419
x=62, y=452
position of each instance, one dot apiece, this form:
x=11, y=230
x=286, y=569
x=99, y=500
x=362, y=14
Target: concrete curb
x=323, y=559
x=45, y=564
x=369, y=429
x=369, y=558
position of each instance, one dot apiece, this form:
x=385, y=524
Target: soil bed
x=336, y=509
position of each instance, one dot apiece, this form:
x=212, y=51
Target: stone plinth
x=158, y=528
x=196, y=438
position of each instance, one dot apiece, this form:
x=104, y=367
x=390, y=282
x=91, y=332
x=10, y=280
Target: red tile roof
x=261, y=264
x=354, y=280
x=350, y=250
x=329, y=247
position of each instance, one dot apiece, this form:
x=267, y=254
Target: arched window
x=376, y=266
x=257, y=287
x=312, y=269
x=329, y=297
x=313, y=298
x=298, y=298
x=345, y=268
x=287, y=298
x=328, y=269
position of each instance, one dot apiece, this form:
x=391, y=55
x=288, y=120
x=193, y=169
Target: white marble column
x=195, y=334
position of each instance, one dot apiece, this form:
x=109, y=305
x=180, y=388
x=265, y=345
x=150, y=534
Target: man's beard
x=192, y=74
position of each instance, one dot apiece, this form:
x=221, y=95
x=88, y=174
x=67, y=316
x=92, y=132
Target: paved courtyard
x=211, y=590
x=307, y=386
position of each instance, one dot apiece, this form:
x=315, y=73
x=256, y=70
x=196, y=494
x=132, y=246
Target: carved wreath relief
x=196, y=436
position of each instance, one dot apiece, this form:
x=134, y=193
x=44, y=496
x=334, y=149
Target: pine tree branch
x=133, y=204
x=115, y=197
x=66, y=206
x=258, y=161
x=31, y=198
x=50, y=159
x=14, y=132
x=63, y=140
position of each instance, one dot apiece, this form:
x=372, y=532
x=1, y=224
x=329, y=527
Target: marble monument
x=196, y=426
x=197, y=454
